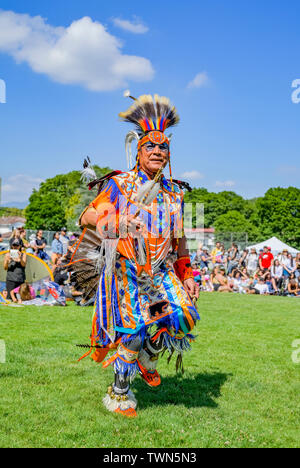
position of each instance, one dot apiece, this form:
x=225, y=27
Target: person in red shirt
x=266, y=259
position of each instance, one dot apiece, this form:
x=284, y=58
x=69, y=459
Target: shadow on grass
x=201, y=390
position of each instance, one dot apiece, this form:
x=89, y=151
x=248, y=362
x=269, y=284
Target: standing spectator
x=252, y=262
x=16, y=235
x=57, y=248
x=216, y=254
x=266, y=259
x=32, y=248
x=243, y=259
x=23, y=238
x=14, y=264
x=232, y=257
x=203, y=257
x=41, y=243
x=64, y=240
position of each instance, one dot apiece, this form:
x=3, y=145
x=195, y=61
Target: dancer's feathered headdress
x=151, y=117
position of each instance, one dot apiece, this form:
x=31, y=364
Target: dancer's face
x=152, y=158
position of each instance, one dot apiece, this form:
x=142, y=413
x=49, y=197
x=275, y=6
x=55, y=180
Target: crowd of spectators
x=247, y=271
x=15, y=261
x=232, y=270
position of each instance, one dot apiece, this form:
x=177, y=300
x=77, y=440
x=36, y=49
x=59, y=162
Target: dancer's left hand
x=192, y=287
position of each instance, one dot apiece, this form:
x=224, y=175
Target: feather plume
x=132, y=135
x=88, y=173
x=150, y=113
x=147, y=192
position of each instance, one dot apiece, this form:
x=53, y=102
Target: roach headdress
x=151, y=117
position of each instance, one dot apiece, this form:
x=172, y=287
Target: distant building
x=197, y=236
x=9, y=223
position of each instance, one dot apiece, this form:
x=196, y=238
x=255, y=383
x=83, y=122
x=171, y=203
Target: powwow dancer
x=143, y=304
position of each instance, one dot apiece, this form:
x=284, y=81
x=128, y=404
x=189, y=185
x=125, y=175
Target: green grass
x=240, y=387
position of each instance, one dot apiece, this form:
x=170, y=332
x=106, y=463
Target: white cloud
x=135, y=26
x=225, y=183
x=18, y=188
x=192, y=175
x=83, y=53
x=200, y=80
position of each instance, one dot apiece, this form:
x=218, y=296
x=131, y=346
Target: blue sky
x=228, y=66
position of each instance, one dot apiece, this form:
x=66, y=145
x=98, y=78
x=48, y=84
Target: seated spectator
x=237, y=281
x=265, y=259
x=41, y=243
x=196, y=273
x=57, y=248
x=14, y=264
x=260, y=287
x=268, y=281
x=60, y=273
x=5, y=294
x=297, y=265
x=206, y=284
x=252, y=262
x=277, y=275
x=219, y=280
x=285, y=262
x=246, y=281
x=292, y=263
x=293, y=288
x=25, y=292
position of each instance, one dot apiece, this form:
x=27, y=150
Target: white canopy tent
x=276, y=245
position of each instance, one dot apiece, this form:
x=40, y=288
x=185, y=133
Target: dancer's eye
x=151, y=146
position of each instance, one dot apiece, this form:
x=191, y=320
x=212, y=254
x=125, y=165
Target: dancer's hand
x=135, y=226
x=192, y=287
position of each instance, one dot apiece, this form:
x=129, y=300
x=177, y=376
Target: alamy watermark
x=296, y=353
x=296, y=93
x=2, y=92
x=2, y=352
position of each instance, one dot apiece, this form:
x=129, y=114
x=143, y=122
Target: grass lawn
x=240, y=387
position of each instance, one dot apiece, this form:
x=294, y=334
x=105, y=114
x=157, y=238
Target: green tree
x=10, y=211
x=279, y=214
x=234, y=221
x=215, y=204
x=55, y=203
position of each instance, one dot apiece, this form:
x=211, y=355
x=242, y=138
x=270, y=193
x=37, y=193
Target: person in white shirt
x=262, y=287
x=277, y=275
x=252, y=262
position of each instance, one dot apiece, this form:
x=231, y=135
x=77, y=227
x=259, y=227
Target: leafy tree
x=234, y=221
x=55, y=203
x=279, y=214
x=215, y=204
x=10, y=211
